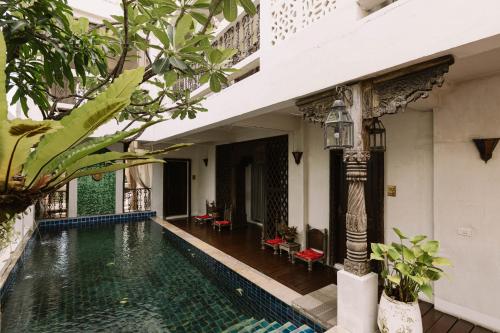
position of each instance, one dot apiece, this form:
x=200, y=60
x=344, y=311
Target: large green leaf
x=81, y=123
x=17, y=137
x=427, y=290
x=440, y=261
x=111, y=167
x=96, y=159
x=182, y=28
x=249, y=7
x=230, y=10
x=72, y=155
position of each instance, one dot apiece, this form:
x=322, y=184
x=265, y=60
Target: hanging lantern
x=339, y=127
x=376, y=134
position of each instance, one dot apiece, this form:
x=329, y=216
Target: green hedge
x=96, y=197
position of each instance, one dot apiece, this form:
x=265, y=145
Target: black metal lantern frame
x=376, y=135
x=339, y=127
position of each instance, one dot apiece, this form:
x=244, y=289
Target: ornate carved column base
x=357, y=268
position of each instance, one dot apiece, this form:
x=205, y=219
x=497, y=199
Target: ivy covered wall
x=96, y=197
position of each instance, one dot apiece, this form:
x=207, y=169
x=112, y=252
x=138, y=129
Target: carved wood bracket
x=393, y=92
x=315, y=108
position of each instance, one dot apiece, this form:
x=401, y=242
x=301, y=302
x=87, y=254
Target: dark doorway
x=177, y=188
x=374, y=196
x=338, y=207
x=268, y=160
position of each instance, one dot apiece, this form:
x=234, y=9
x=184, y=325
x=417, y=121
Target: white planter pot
x=398, y=317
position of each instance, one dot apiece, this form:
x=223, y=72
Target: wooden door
x=338, y=207
x=238, y=192
x=374, y=196
x=176, y=188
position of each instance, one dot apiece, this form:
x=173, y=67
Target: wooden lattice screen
x=277, y=183
x=272, y=155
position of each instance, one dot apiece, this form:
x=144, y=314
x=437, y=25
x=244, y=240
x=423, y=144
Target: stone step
x=252, y=325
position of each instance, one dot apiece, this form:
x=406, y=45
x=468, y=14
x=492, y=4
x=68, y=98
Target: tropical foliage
x=408, y=269
x=47, y=47
x=37, y=157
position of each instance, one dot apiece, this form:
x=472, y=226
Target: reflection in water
x=117, y=278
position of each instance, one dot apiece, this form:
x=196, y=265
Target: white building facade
x=443, y=188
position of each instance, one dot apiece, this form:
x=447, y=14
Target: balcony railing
x=53, y=206
x=136, y=199
x=242, y=35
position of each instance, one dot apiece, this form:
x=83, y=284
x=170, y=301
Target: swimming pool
x=126, y=277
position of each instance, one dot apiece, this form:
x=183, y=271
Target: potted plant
x=290, y=234
x=408, y=268
x=286, y=232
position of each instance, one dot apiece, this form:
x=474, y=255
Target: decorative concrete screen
x=290, y=16
x=96, y=194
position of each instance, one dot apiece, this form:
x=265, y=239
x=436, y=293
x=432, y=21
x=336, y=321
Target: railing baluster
x=136, y=200
x=52, y=206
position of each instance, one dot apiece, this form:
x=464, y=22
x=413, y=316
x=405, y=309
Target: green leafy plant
x=287, y=232
x=38, y=157
x=408, y=269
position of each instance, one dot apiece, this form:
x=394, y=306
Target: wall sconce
x=376, y=135
x=205, y=160
x=486, y=147
x=297, y=156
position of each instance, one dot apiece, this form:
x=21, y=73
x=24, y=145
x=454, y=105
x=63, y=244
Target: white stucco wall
x=409, y=167
x=467, y=193
x=317, y=177
x=157, y=189
x=343, y=48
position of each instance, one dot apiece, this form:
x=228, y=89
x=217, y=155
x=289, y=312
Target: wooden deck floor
x=244, y=245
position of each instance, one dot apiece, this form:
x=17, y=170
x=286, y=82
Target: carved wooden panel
x=277, y=183
x=391, y=93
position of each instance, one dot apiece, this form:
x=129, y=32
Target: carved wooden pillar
x=356, y=222
x=356, y=160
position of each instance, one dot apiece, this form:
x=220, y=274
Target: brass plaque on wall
x=391, y=190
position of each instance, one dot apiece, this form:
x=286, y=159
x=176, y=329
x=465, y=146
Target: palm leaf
x=111, y=167
x=70, y=156
x=81, y=123
x=97, y=159
x=17, y=137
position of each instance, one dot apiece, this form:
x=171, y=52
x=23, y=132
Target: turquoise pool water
x=115, y=278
